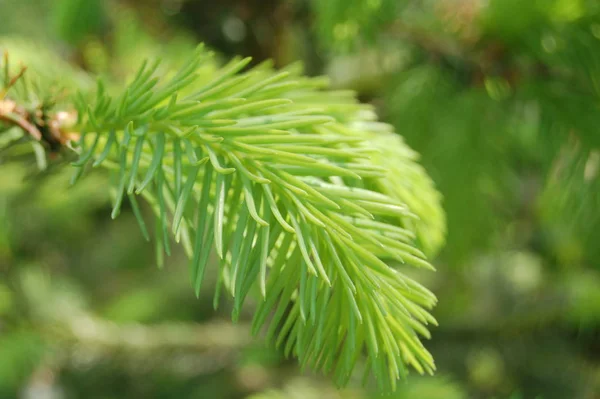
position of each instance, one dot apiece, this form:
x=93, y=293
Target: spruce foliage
x=303, y=195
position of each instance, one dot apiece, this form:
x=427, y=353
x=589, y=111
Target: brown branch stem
x=23, y=123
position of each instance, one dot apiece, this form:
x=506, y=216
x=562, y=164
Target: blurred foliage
x=499, y=97
x=75, y=20
x=343, y=24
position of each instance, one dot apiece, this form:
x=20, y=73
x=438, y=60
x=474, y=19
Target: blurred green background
x=501, y=98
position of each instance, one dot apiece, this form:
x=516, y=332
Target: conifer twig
x=11, y=114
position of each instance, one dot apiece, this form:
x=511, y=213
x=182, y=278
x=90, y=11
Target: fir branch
x=292, y=187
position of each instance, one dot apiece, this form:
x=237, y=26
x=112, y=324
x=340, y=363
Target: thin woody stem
x=10, y=81
x=23, y=123
x=15, y=78
x=9, y=112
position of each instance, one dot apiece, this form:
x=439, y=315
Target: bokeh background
x=500, y=97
